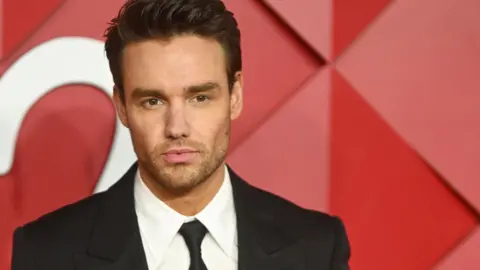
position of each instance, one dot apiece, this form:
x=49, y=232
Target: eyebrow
x=204, y=87
x=142, y=92
x=192, y=89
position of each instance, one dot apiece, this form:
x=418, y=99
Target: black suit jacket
x=101, y=232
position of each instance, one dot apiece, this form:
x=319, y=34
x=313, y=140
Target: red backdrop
x=365, y=109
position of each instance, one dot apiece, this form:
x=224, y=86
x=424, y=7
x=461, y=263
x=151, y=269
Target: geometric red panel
x=418, y=67
x=19, y=18
x=310, y=19
x=269, y=77
x=291, y=147
x=54, y=153
x=66, y=110
x=465, y=256
x=47, y=138
x=350, y=19
x=399, y=212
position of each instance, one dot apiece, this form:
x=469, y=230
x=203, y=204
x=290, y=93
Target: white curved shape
x=57, y=62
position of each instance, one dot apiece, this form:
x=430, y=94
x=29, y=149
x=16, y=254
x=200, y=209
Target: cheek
x=212, y=129
x=146, y=129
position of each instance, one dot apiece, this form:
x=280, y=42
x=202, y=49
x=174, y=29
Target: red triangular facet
x=21, y=19
x=310, y=19
x=350, y=17
x=399, y=213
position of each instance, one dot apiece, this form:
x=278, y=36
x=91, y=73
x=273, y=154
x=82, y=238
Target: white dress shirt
x=165, y=248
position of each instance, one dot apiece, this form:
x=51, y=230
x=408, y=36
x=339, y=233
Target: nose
x=176, y=123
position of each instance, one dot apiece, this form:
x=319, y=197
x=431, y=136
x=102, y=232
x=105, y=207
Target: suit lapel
x=265, y=239
x=115, y=243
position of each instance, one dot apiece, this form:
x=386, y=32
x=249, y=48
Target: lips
x=180, y=151
x=179, y=155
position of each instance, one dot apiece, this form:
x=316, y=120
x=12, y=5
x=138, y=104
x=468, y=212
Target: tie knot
x=193, y=232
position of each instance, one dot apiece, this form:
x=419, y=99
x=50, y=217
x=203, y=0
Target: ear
x=119, y=104
x=236, y=97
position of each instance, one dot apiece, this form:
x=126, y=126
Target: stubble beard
x=181, y=178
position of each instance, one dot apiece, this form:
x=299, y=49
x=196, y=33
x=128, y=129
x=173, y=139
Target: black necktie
x=193, y=232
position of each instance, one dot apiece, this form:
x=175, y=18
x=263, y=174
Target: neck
x=191, y=202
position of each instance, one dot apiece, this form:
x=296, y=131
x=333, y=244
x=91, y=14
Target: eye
x=200, y=98
x=151, y=102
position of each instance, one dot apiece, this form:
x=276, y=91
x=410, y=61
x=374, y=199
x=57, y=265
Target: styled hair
x=140, y=20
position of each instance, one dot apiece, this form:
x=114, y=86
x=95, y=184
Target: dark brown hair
x=140, y=20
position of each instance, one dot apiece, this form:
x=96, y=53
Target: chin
x=182, y=175
x=180, y=185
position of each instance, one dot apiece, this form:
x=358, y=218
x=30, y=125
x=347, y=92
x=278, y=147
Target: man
x=178, y=79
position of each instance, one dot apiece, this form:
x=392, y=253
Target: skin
x=176, y=95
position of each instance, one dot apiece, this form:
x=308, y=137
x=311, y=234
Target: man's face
x=178, y=108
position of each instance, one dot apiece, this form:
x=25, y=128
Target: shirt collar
x=220, y=219
x=160, y=223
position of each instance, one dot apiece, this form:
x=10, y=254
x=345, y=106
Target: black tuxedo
x=101, y=232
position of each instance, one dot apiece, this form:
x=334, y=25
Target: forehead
x=173, y=64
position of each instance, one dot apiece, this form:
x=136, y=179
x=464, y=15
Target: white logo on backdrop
x=57, y=62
